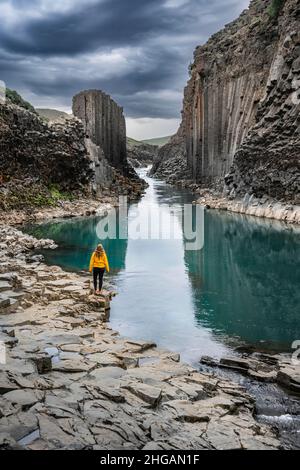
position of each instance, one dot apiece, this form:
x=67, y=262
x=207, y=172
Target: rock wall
x=227, y=82
x=104, y=124
x=268, y=161
x=35, y=156
x=240, y=116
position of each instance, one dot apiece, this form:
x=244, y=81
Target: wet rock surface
x=273, y=380
x=70, y=382
x=279, y=368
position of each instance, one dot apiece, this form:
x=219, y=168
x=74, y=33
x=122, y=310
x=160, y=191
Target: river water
x=241, y=288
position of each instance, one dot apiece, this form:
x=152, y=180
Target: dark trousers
x=98, y=272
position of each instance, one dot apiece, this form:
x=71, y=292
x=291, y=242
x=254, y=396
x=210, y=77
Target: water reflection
x=246, y=280
x=76, y=239
x=242, y=287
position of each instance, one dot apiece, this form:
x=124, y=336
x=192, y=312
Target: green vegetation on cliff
x=34, y=194
x=17, y=99
x=276, y=7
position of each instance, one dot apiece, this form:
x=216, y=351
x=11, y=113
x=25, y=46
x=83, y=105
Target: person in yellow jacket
x=98, y=265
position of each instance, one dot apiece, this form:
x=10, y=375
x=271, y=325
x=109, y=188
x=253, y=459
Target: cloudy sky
x=138, y=51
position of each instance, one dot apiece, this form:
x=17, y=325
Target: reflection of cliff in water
x=76, y=239
x=246, y=279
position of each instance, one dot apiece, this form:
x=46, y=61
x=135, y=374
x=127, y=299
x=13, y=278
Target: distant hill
x=159, y=141
x=53, y=114
x=133, y=143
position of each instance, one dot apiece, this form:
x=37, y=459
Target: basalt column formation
x=104, y=124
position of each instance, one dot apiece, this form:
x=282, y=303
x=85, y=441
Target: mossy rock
x=14, y=97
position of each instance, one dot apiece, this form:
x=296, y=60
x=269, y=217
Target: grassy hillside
x=160, y=141
x=52, y=114
x=133, y=143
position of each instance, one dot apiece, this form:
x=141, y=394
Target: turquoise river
x=241, y=288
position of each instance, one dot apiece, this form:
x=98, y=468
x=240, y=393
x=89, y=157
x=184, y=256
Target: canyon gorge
x=182, y=348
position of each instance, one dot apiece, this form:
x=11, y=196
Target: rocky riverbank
x=69, y=382
x=65, y=209
x=263, y=207
x=249, y=205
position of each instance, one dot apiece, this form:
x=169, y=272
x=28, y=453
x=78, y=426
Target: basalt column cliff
x=104, y=124
x=240, y=125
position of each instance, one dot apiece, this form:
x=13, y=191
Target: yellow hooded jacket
x=99, y=261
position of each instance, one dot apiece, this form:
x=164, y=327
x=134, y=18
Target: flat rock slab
x=4, y=286
x=235, y=363
x=222, y=436
x=62, y=283
x=105, y=360
x=105, y=373
x=104, y=390
x=140, y=346
x=19, y=367
x=147, y=393
x=25, y=398
x=71, y=321
x=184, y=410
x=70, y=365
x=60, y=340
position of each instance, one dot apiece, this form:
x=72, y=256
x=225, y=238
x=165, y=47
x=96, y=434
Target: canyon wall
x=240, y=119
x=268, y=161
x=37, y=159
x=227, y=82
x=104, y=124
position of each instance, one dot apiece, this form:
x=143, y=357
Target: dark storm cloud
x=136, y=50
x=106, y=23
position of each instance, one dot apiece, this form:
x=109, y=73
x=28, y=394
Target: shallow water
x=241, y=288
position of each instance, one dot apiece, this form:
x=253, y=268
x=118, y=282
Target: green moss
x=58, y=195
x=275, y=8
x=17, y=99
x=18, y=197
